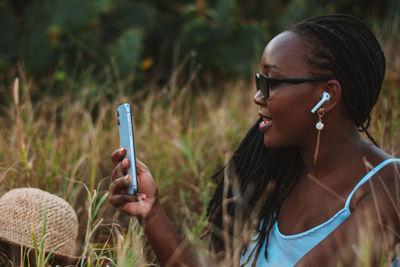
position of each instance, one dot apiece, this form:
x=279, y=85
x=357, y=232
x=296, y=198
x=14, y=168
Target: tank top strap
x=367, y=177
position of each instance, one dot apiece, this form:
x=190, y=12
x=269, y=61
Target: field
x=183, y=133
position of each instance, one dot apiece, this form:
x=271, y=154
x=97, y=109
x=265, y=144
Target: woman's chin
x=268, y=142
x=275, y=142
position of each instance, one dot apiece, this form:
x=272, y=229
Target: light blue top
x=287, y=250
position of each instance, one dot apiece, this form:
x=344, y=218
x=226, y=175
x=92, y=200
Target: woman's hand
x=141, y=204
x=163, y=237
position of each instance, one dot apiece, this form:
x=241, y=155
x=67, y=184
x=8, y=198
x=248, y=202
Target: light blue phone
x=126, y=140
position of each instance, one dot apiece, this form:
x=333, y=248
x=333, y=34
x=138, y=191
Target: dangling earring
x=319, y=126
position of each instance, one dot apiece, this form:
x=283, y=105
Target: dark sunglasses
x=264, y=83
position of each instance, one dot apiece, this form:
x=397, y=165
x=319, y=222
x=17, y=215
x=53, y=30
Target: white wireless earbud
x=325, y=97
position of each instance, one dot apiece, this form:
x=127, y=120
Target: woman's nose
x=259, y=98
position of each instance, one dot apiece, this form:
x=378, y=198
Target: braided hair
x=338, y=46
x=347, y=49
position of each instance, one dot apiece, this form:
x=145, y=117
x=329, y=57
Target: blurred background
x=187, y=69
x=144, y=41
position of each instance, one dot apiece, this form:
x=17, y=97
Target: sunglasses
x=264, y=82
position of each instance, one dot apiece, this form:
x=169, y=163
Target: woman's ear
x=334, y=89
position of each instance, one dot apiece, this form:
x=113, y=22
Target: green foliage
x=224, y=16
x=247, y=43
x=121, y=34
x=126, y=52
x=297, y=10
x=52, y=28
x=394, y=10
x=9, y=29
x=128, y=41
x=220, y=41
x=126, y=14
x=9, y=35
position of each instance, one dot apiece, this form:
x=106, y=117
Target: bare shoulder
x=385, y=176
x=374, y=219
x=382, y=172
x=381, y=193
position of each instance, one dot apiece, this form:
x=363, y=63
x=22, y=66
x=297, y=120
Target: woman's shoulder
x=383, y=167
x=379, y=164
x=385, y=175
x=379, y=190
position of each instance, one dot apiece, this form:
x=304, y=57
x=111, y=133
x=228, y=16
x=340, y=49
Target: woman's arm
x=370, y=232
x=165, y=241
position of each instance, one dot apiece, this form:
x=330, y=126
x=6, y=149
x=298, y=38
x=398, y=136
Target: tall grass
x=184, y=134
x=63, y=145
x=387, y=114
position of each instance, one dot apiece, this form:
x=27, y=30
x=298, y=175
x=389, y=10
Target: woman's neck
x=338, y=147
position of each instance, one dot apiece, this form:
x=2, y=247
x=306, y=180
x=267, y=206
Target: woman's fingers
x=120, y=185
x=120, y=169
x=118, y=196
x=121, y=199
x=118, y=155
x=141, y=167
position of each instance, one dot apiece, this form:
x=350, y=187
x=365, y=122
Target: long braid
x=363, y=128
x=255, y=167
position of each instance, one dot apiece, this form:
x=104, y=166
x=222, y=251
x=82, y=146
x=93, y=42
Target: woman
x=303, y=177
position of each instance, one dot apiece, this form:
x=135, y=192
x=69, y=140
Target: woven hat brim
x=67, y=260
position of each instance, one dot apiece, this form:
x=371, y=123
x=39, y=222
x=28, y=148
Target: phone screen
x=126, y=140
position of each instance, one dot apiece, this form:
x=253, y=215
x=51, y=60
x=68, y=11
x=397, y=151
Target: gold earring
x=319, y=126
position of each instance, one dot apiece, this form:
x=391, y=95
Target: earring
x=319, y=126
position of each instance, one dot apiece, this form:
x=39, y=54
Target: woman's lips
x=265, y=124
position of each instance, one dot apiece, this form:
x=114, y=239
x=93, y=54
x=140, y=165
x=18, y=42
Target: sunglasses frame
x=268, y=82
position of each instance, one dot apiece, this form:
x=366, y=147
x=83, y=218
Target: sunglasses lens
x=258, y=82
x=263, y=86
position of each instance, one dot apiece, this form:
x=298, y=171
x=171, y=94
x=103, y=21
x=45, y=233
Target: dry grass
x=63, y=145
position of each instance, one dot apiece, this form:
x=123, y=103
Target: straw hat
x=21, y=215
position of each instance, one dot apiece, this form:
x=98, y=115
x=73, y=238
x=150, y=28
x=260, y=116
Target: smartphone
x=126, y=140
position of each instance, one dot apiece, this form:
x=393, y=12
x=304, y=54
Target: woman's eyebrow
x=271, y=66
